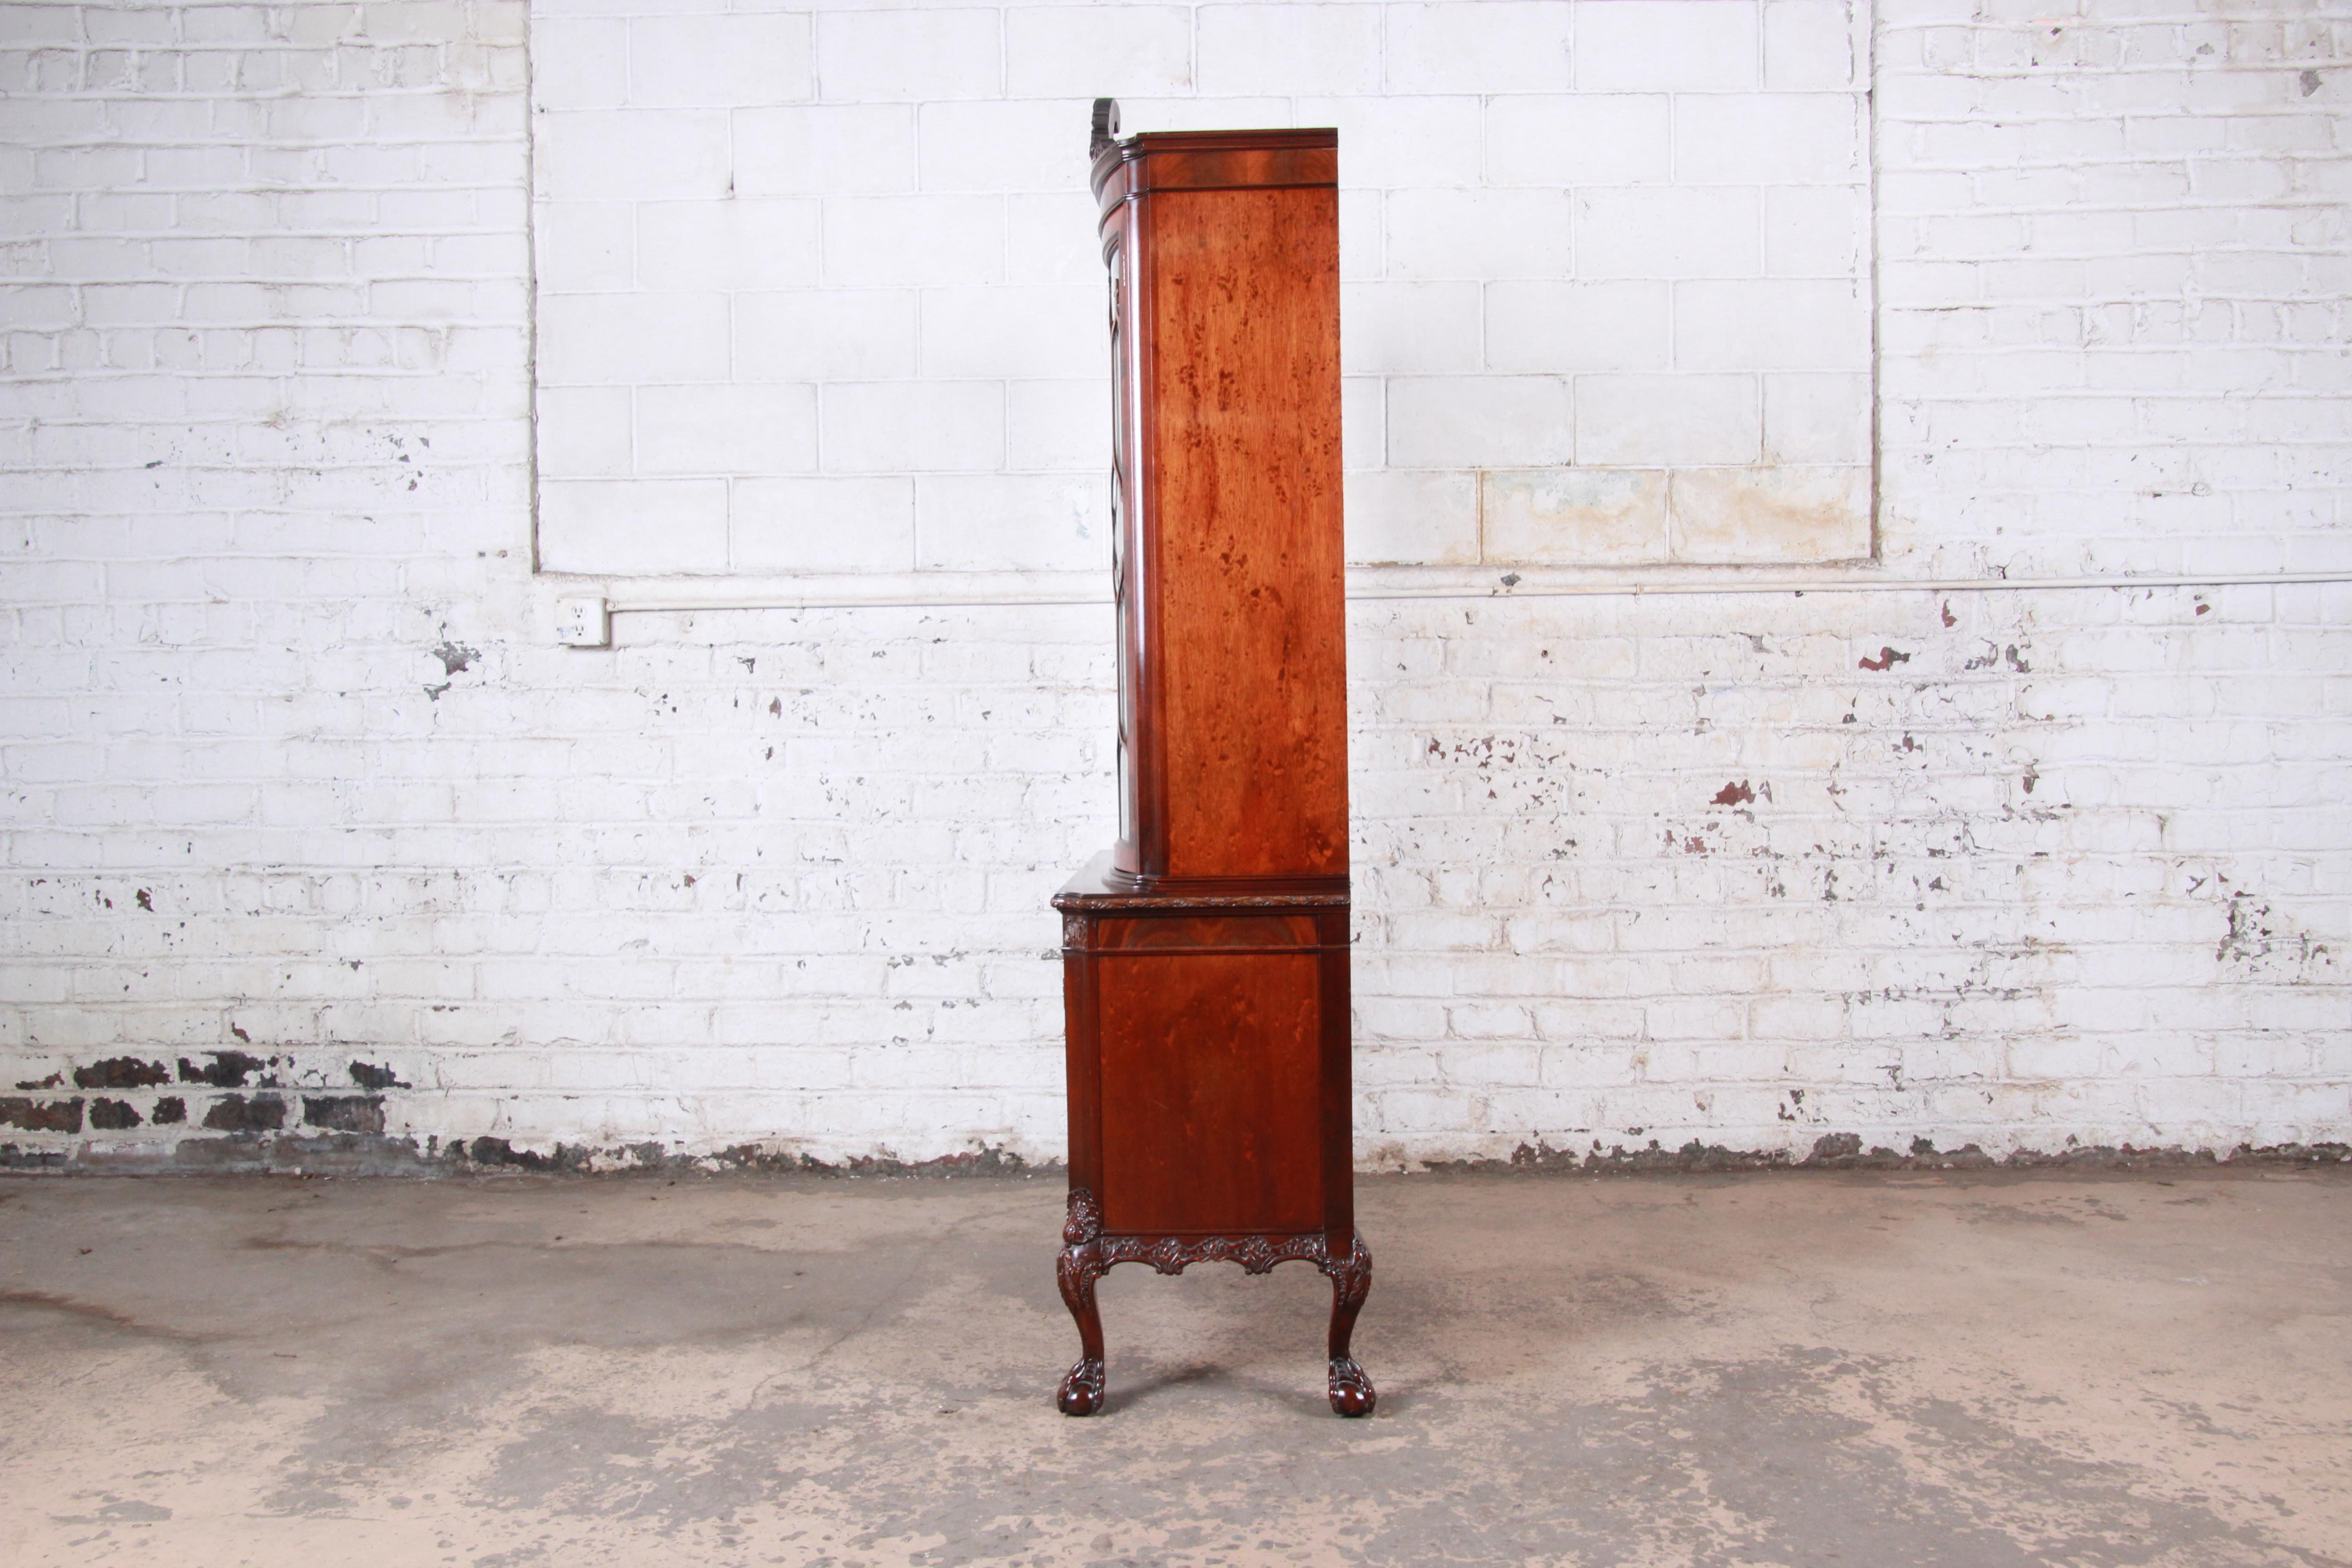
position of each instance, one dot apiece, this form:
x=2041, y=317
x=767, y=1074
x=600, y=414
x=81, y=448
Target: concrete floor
x=1830, y=1369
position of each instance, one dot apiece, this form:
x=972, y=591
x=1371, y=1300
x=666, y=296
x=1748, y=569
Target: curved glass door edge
x=1120, y=553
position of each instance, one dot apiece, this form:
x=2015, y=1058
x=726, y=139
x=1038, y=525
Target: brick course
x=306, y=822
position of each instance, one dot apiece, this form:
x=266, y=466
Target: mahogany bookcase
x=1205, y=954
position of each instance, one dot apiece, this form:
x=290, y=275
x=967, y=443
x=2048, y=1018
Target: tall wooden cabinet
x=1205, y=954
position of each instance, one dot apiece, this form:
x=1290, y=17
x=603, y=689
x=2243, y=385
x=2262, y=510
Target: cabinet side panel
x=1243, y=425
x=1211, y=1109
x=1082, y=1062
x=1339, y=1082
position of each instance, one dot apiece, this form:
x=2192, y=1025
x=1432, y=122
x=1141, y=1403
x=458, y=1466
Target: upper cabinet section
x=1224, y=248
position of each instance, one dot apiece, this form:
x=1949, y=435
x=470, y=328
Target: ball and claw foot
x=1082, y=1389
x=1351, y=1391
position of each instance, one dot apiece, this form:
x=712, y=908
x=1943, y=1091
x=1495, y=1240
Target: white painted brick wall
x=909, y=215
x=289, y=765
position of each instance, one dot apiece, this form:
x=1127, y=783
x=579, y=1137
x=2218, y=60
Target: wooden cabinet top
x=1214, y=161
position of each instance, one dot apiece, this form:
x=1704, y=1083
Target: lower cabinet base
x=1088, y=1254
x=1207, y=1053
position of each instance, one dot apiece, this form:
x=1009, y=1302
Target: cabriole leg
x=1351, y=1280
x=1077, y=1268
x=1082, y=1387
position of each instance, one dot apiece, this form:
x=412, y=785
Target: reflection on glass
x=1119, y=546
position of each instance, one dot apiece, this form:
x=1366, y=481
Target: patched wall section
x=819, y=290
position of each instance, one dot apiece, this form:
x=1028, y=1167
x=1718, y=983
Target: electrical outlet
x=582, y=623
